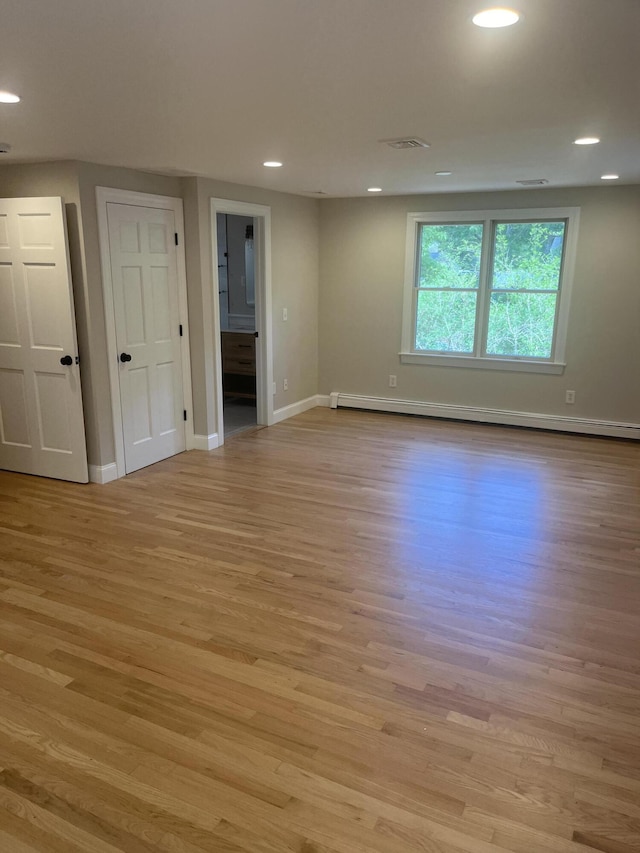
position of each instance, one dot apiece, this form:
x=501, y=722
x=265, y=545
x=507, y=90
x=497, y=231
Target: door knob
x=124, y=356
x=66, y=360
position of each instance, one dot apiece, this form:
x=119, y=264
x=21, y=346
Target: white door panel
x=145, y=294
x=41, y=417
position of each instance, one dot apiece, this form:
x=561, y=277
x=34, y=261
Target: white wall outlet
x=570, y=397
x=393, y=381
x=285, y=384
x=274, y=389
x=285, y=314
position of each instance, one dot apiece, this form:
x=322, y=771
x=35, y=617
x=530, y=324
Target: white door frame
x=108, y=195
x=264, y=345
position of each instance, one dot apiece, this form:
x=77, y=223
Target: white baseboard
x=206, y=442
x=299, y=407
x=489, y=416
x=103, y=473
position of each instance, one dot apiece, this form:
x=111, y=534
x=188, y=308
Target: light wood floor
x=349, y=633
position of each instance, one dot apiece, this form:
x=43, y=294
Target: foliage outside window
x=490, y=286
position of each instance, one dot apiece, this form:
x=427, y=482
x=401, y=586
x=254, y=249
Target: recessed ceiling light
x=587, y=140
x=609, y=177
x=443, y=174
x=374, y=190
x=272, y=164
x=497, y=17
x=9, y=98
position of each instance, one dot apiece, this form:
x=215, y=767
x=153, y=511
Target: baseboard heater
x=484, y=415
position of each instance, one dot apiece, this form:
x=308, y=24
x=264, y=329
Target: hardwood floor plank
x=46, y=819
x=11, y=842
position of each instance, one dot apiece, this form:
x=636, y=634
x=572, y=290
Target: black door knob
x=66, y=360
x=124, y=357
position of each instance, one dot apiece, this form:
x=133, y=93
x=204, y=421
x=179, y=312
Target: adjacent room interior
x=319, y=421
x=236, y=289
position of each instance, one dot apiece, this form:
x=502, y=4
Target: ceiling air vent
x=533, y=182
x=406, y=142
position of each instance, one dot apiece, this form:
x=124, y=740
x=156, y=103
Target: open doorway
x=241, y=247
x=237, y=297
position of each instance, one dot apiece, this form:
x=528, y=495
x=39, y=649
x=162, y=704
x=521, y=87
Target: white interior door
x=41, y=417
x=147, y=322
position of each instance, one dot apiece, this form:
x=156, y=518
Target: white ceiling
x=214, y=87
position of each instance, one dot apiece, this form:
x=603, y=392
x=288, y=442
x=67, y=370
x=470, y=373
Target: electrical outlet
x=393, y=381
x=570, y=397
x=285, y=384
x=285, y=314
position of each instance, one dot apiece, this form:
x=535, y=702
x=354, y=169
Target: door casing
x=264, y=346
x=108, y=195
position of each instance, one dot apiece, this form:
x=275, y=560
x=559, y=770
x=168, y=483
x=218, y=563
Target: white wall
x=362, y=250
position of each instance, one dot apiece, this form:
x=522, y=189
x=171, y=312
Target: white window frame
x=556, y=363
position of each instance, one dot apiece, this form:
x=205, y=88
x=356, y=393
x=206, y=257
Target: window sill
x=514, y=364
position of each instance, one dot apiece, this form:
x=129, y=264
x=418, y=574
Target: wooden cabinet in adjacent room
x=239, y=364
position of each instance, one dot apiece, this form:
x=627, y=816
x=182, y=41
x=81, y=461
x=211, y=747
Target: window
x=489, y=288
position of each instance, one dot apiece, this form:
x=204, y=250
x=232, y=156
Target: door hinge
x=176, y=236
x=180, y=327
x=184, y=414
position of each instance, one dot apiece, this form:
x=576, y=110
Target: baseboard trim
x=206, y=442
x=490, y=416
x=300, y=407
x=103, y=473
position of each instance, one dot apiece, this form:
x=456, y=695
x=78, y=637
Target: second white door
x=147, y=318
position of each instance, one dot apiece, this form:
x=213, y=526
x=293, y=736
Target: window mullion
x=482, y=308
x=416, y=287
